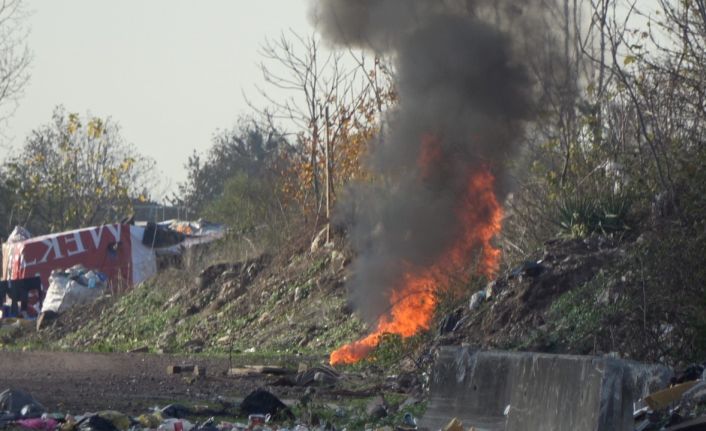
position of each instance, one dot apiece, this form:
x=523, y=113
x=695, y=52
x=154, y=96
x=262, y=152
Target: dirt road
x=130, y=383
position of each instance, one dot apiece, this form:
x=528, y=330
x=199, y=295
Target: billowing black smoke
x=464, y=94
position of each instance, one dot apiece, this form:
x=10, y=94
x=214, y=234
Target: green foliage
x=649, y=303
x=237, y=182
x=7, y=198
x=246, y=151
x=580, y=216
x=73, y=173
x=246, y=203
x=670, y=277
x=692, y=188
x=585, y=315
x=630, y=124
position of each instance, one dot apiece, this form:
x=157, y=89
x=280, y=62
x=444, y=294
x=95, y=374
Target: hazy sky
x=170, y=72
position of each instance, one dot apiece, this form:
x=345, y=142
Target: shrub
x=580, y=216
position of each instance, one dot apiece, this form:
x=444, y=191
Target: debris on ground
x=320, y=374
x=216, y=306
x=262, y=402
x=18, y=402
x=681, y=406
x=454, y=425
x=251, y=370
x=71, y=287
x=179, y=369
x=260, y=410
x=527, y=269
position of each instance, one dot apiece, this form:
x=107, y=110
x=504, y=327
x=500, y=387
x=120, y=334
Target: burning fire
x=413, y=301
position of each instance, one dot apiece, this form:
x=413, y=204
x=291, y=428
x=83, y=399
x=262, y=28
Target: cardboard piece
x=662, y=399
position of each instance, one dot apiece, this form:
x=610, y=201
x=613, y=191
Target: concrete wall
x=545, y=392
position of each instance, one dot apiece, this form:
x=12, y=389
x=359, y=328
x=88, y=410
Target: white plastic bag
x=64, y=293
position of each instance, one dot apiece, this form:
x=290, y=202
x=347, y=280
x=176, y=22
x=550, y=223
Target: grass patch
x=586, y=314
x=138, y=318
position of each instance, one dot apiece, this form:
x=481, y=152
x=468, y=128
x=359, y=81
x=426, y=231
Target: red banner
x=104, y=248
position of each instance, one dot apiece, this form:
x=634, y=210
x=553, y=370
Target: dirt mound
x=292, y=301
x=593, y=296
x=219, y=284
x=520, y=301
x=66, y=323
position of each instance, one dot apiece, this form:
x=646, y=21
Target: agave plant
x=580, y=216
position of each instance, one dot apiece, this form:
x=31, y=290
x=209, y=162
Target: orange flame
x=413, y=302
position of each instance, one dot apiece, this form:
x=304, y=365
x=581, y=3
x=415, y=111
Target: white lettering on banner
x=96, y=234
x=52, y=245
x=74, y=238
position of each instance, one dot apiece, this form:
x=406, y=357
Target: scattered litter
x=95, y=423
x=664, y=398
x=18, y=234
x=38, y=424
x=72, y=287
x=454, y=425
x=698, y=424
x=678, y=407
x=249, y=370
x=176, y=411
x=409, y=421
x=179, y=369
x=451, y=322
x=320, y=374
x=690, y=373
x=150, y=421
x=377, y=408
x=258, y=420
x=477, y=300
x=527, y=269
x=175, y=425
x=14, y=400
x=695, y=395
x=262, y=402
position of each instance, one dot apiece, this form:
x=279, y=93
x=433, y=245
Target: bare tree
x=327, y=93
x=15, y=56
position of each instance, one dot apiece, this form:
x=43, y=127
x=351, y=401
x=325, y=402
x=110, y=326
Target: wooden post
x=328, y=178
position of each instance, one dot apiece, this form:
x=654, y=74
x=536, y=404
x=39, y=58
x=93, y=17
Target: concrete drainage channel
x=544, y=392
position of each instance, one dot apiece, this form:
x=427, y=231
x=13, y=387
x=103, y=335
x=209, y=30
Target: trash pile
x=76, y=285
x=680, y=407
x=19, y=410
x=260, y=410
x=172, y=237
x=38, y=273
